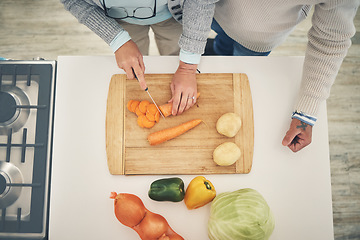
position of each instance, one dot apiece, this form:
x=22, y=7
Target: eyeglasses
x=121, y=13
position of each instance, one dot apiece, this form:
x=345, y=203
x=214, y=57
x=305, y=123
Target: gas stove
x=27, y=91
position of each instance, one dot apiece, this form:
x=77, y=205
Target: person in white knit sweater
x=250, y=28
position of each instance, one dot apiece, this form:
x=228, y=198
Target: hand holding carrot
x=183, y=88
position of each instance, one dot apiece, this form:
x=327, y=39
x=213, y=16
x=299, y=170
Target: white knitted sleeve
x=329, y=40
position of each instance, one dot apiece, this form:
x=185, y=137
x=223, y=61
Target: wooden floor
x=42, y=28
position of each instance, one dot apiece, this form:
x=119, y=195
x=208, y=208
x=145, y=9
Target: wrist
x=122, y=38
x=308, y=119
x=189, y=57
x=187, y=67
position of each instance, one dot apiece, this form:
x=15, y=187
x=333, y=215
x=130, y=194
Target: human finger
x=141, y=63
x=297, y=144
x=140, y=75
x=289, y=137
x=175, y=102
x=172, y=88
x=183, y=103
x=191, y=99
x=129, y=72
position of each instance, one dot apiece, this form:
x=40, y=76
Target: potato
x=226, y=154
x=228, y=124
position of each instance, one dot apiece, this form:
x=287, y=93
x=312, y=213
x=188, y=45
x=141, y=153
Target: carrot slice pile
x=147, y=112
x=143, y=106
x=170, y=133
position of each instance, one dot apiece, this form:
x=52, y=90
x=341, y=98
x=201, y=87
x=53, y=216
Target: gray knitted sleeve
x=197, y=18
x=94, y=18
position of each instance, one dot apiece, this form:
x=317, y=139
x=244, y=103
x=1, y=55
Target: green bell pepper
x=167, y=189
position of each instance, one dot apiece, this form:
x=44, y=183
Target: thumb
x=172, y=88
x=289, y=136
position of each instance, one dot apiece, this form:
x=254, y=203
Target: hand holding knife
x=147, y=90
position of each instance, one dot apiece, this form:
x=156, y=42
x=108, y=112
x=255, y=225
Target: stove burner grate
x=27, y=91
x=11, y=176
x=7, y=107
x=16, y=109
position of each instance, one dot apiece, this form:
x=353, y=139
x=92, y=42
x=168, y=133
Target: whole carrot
x=170, y=133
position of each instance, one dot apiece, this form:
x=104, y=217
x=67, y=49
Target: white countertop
x=297, y=186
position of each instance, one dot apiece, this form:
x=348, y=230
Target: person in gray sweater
x=124, y=25
x=256, y=27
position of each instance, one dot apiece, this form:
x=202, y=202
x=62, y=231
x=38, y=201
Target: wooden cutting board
x=128, y=151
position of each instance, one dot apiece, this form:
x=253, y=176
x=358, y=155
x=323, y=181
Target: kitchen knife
x=147, y=90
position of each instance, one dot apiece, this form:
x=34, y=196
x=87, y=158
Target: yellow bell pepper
x=199, y=193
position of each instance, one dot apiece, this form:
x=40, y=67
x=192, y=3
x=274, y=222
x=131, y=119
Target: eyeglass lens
x=117, y=12
x=143, y=12
x=139, y=12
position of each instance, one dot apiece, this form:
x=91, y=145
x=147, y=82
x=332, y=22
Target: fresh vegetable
x=138, y=112
x=132, y=205
x=133, y=105
x=167, y=189
x=128, y=105
x=147, y=112
x=143, y=105
x=199, y=193
x=166, y=109
x=228, y=124
x=130, y=211
x=226, y=154
x=151, y=109
x=242, y=214
x=170, y=133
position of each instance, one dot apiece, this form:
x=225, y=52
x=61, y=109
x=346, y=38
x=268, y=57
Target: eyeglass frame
x=106, y=12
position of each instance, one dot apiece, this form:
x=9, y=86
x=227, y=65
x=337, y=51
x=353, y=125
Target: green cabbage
x=241, y=215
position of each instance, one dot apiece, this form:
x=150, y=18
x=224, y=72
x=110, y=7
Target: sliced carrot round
x=147, y=123
x=143, y=106
x=134, y=104
x=152, y=109
x=157, y=116
x=138, y=112
x=140, y=120
x=150, y=117
x=129, y=105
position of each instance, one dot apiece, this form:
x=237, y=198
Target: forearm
x=329, y=40
x=94, y=18
x=197, y=18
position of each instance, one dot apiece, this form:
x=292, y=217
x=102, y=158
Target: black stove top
x=27, y=91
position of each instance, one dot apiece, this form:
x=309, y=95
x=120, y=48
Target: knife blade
x=147, y=90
